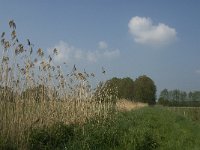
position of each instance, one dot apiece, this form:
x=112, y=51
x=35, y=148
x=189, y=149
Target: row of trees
x=179, y=98
x=142, y=89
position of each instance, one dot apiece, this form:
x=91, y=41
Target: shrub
x=6, y=144
x=55, y=137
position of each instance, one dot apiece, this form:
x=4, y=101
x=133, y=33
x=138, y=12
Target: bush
x=55, y=137
x=6, y=144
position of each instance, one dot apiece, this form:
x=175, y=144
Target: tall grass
x=192, y=113
x=35, y=92
x=147, y=128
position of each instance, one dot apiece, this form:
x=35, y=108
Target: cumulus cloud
x=68, y=53
x=147, y=33
x=103, y=45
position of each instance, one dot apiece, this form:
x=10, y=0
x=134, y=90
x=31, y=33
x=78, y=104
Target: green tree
x=120, y=88
x=164, y=94
x=145, y=90
x=126, y=88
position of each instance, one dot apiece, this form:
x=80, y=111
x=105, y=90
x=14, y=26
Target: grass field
x=189, y=112
x=141, y=129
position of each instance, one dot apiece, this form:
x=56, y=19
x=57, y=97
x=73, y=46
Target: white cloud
x=71, y=54
x=64, y=52
x=79, y=54
x=103, y=45
x=112, y=54
x=92, y=56
x=145, y=32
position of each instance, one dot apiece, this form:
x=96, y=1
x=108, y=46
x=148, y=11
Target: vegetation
x=145, y=90
x=123, y=86
x=142, y=89
x=192, y=113
x=143, y=129
x=41, y=107
x=35, y=92
x=179, y=98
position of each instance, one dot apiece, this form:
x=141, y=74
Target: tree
x=145, y=90
x=164, y=94
x=126, y=88
x=118, y=88
x=106, y=92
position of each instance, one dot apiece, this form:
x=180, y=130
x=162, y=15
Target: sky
x=157, y=38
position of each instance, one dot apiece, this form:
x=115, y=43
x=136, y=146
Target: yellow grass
x=20, y=116
x=125, y=105
x=35, y=91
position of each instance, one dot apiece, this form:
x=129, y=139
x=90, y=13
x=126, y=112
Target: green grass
x=143, y=129
x=192, y=113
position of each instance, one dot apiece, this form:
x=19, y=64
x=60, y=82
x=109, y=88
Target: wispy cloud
x=68, y=53
x=103, y=45
x=64, y=52
x=145, y=32
x=111, y=54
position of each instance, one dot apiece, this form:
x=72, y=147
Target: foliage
x=6, y=144
x=106, y=92
x=145, y=90
x=124, y=87
x=179, y=98
x=55, y=137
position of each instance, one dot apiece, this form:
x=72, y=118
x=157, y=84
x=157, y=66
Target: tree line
x=143, y=89
x=179, y=98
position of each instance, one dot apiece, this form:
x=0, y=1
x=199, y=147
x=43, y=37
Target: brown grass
x=35, y=92
x=125, y=105
x=18, y=117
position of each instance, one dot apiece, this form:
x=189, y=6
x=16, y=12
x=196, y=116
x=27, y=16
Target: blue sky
x=158, y=38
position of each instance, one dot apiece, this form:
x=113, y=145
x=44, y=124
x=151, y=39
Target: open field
x=137, y=129
x=142, y=129
x=189, y=112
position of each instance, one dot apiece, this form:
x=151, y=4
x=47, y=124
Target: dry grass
x=18, y=117
x=125, y=105
x=34, y=91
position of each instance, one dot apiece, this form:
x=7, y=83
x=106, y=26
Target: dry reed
x=35, y=92
x=126, y=105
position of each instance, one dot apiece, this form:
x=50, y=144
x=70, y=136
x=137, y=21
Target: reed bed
x=37, y=92
x=127, y=105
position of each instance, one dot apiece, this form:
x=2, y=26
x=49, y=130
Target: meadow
x=190, y=112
